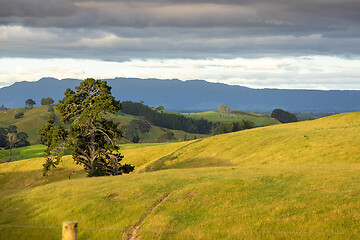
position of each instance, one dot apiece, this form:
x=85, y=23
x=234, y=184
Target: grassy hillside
x=21, y=153
x=215, y=116
x=36, y=117
x=290, y=181
x=333, y=139
x=32, y=120
x=261, y=202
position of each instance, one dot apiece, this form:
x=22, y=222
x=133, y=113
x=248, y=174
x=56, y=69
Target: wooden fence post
x=69, y=230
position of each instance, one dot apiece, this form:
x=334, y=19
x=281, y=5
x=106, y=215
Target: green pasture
x=37, y=117
x=214, y=116
x=32, y=120
x=333, y=139
x=21, y=153
x=289, y=181
x=262, y=202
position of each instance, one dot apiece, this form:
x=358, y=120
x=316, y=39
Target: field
x=329, y=140
x=215, y=116
x=290, y=181
x=36, y=117
x=21, y=153
x=32, y=120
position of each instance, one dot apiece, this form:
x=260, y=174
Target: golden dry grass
x=291, y=181
x=333, y=139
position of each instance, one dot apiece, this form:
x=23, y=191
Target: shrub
x=283, y=116
x=19, y=115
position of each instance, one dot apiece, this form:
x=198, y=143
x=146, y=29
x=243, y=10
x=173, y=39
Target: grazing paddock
x=290, y=181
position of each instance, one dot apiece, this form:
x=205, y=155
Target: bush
x=283, y=116
x=19, y=115
x=234, y=127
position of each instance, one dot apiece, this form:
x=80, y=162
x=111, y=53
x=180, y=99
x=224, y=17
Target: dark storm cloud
x=178, y=28
x=183, y=13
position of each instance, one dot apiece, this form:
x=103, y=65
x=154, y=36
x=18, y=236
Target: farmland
x=298, y=180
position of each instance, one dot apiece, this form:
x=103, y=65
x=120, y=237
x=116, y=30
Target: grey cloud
x=37, y=8
x=184, y=13
x=118, y=30
x=126, y=43
x=180, y=16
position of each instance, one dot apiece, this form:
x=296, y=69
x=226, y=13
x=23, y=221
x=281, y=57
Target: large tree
x=91, y=138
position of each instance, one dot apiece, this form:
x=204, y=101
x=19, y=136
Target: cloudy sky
x=308, y=44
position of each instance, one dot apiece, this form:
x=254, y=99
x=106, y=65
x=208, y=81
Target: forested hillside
x=33, y=119
x=168, y=120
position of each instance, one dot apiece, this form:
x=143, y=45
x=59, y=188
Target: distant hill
x=192, y=95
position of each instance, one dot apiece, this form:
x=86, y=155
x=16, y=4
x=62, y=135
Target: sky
x=294, y=44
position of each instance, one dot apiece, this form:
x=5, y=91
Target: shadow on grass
x=171, y=163
x=18, y=180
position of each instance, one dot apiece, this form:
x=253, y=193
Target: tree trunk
x=10, y=159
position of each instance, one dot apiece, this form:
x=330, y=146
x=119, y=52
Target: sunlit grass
x=21, y=153
x=291, y=181
x=332, y=139
x=211, y=203
x=228, y=117
x=36, y=117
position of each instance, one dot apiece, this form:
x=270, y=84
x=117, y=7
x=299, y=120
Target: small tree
x=3, y=137
x=30, y=103
x=160, y=108
x=224, y=109
x=10, y=139
x=47, y=101
x=3, y=108
x=91, y=137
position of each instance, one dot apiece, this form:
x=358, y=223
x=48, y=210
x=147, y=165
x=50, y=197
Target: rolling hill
x=215, y=116
x=193, y=95
x=290, y=181
x=36, y=117
x=293, y=143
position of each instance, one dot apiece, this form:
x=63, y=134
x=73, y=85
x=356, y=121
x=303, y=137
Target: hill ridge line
x=143, y=170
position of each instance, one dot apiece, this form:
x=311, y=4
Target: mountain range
x=192, y=95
